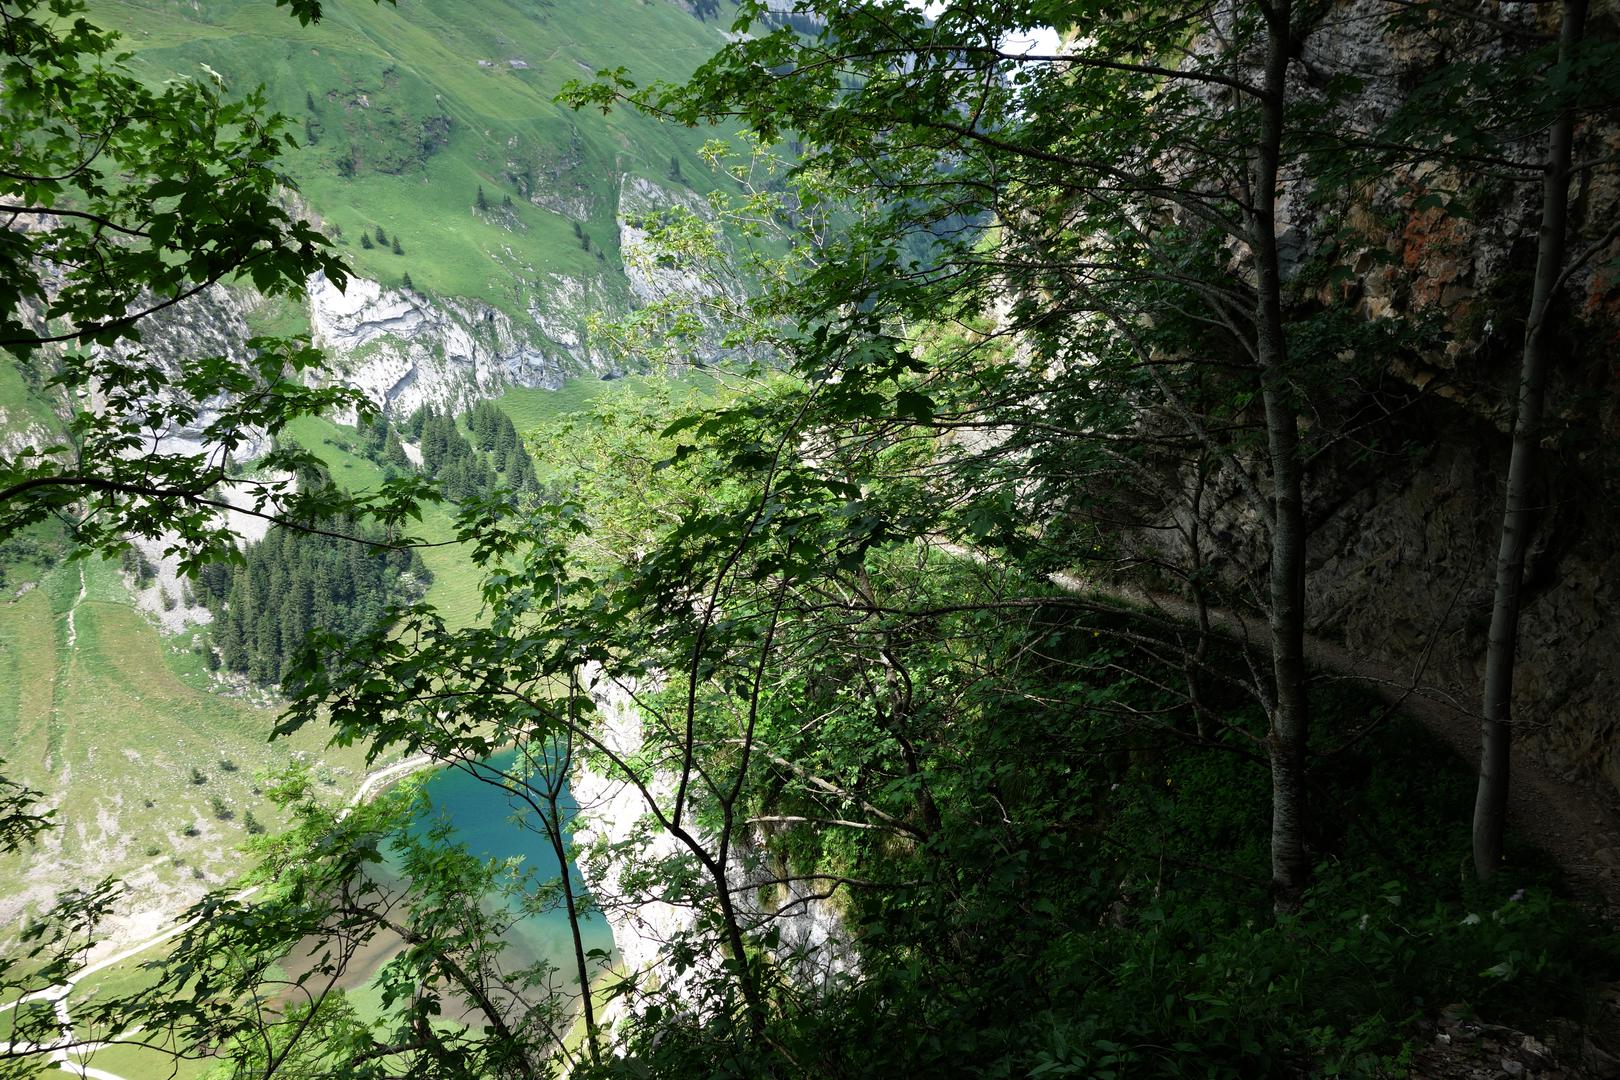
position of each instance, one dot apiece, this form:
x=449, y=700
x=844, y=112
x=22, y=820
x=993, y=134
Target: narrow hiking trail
x=72, y=628
x=1576, y=825
x=68, y=1053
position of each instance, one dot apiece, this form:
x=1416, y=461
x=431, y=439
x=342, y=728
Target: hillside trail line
x=72, y=629
x=1576, y=826
x=67, y=1054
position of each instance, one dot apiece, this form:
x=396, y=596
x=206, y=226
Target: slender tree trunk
x=1519, y=513
x=1289, y=728
x=553, y=823
x=714, y=864
x=1194, y=667
x=554, y=833
x=753, y=1000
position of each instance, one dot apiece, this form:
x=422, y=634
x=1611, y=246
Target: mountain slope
x=434, y=121
x=405, y=114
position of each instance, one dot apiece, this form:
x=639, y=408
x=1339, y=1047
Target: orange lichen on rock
x=1431, y=244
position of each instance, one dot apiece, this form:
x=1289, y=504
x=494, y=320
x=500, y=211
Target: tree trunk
x=592, y=1040
x=553, y=824
x=1289, y=721
x=753, y=1000
x=1518, y=515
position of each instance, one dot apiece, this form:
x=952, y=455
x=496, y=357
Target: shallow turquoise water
x=493, y=823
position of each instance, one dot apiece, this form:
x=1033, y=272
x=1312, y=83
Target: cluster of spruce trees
x=380, y=443
x=494, y=458
x=293, y=582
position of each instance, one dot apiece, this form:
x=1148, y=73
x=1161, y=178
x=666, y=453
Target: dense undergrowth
x=1081, y=884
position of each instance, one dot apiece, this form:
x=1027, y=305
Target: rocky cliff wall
x=1406, y=522
x=1405, y=510
x=651, y=888
x=1401, y=569
x=407, y=348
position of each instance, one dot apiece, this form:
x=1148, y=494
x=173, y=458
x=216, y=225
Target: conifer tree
x=374, y=436
x=415, y=422
x=394, y=452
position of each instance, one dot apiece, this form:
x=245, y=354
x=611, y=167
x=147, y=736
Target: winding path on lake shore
x=64, y=1052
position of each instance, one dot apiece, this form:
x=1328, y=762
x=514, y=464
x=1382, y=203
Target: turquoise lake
x=497, y=824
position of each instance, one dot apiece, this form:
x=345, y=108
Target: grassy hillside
x=98, y=709
x=405, y=112
x=404, y=115
x=20, y=403
x=454, y=591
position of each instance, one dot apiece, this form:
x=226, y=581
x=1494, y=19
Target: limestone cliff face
x=697, y=297
x=1405, y=515
x=652, y=913
x=1402, y=567
x=212, y=323
x=1404, y=539
x=650, y=280
x=405, y=349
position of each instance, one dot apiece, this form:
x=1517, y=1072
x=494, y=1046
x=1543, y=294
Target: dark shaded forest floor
x=1574, y=823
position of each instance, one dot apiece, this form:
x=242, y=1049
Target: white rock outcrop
x=651, y=277
x=404, y=349
x=619, y=840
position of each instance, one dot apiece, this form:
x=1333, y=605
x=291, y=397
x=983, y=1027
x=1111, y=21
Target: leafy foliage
x=824, y=627
x=136, y=199
x=450, y=1006
x=1047, y=867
